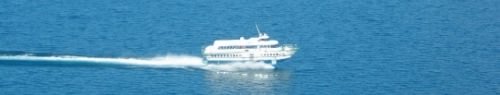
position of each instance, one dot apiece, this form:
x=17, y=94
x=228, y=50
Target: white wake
x=169, y=61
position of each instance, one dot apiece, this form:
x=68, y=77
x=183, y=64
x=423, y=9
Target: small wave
x=169, y=61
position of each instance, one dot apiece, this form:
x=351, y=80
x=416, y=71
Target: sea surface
x=153, y=47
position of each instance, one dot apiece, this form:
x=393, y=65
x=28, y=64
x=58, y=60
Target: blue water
x=346, y=46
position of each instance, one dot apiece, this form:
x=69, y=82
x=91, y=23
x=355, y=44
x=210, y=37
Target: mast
x=257, y=27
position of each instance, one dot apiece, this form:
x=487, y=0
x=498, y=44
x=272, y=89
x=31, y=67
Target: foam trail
x=169, y=61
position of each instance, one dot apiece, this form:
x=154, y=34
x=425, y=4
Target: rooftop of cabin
x=242, y=41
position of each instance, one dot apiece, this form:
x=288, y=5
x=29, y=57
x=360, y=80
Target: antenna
x=256, y=26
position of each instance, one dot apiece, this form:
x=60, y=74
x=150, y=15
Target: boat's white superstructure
x=260, y=48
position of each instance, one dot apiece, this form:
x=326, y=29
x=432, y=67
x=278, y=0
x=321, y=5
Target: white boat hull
x=250, y=56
